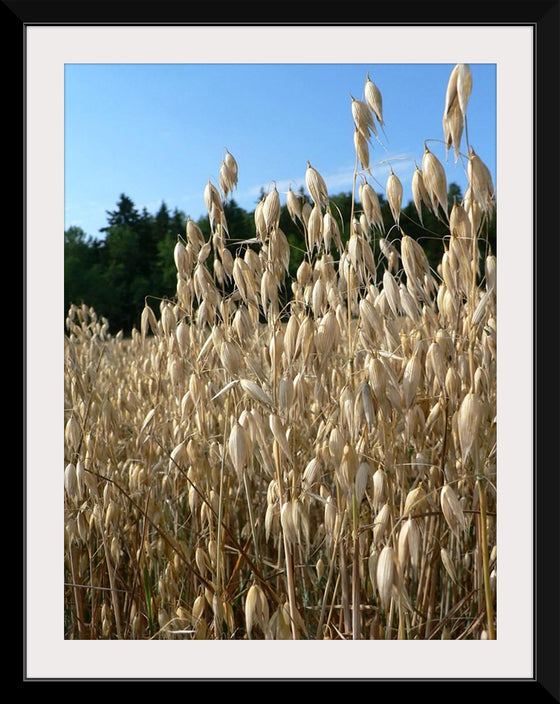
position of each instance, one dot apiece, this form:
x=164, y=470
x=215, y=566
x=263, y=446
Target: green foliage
x=83, y=269
x=134, y=261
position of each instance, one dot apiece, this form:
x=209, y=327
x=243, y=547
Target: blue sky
x=159, y=132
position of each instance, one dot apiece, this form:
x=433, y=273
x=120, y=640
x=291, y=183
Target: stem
x=486, y=560
x=431, y=595
x=329, y=577
x=356, y=621
x=431, y=578
x=251, y=517
x=348, y=287
x=218, y=593
x=472, y=330
x=286, y=543
x=77, y=594
x=291, y=587
x=345, y=590
x=111, y=571
x=401, y=634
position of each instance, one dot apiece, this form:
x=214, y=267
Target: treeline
x=133, y=261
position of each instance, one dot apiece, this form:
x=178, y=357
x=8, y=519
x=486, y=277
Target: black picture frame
x=544, y=18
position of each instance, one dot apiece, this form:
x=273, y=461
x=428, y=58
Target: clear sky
x=159, y=132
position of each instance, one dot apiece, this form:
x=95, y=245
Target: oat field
x=240, y=467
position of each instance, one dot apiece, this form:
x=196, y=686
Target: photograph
x=305, y=446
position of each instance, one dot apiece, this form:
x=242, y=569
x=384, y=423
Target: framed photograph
x=304, y=440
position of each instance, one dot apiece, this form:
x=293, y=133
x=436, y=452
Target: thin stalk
x=424, y=568
x=472, y=329
x=251, y=517
x=431, y=595
x=219, y=520
x=287, y=548
x=356, y=621
x=345, y=589
x=485, y=559
x=389, y=620
x=78, y=598
x=329, y=576
x=348, y=278
x=111, y=571
x=431, y=579
x=333, y=605
x=291, y=587
x=401, y=634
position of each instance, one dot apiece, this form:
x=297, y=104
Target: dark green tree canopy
x=125, y=215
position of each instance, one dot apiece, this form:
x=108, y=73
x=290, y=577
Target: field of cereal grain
x=240, y=468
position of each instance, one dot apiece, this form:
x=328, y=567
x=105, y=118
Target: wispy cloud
x=342, y=179
x=338, y=180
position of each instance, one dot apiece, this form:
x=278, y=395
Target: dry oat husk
x=316, y=186
x=294, y=205
x=374, y=99
x=480, y=182
x=453, y=124
x=415, y=501
x=408, y=545
x=448, y=564
x=279, y=433
x=229, y=177
x=464, y=87
x=372, y=208
x=452, y=510
x=256, y=610
x=387, y=577
x=381, y=524
x=390, y=253
x=362, y=149
x=459, y=87
x=256, y=392
x=238, y=447
x=271, y=210
x=394, y=192
x=435, y=181
x=419, y=193
x=459, y=223
x=363, y=119
x=331, y=232
x=469, y=420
